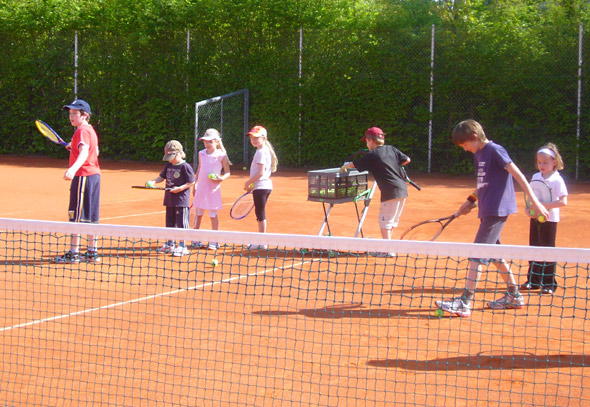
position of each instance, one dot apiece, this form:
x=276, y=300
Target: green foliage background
x=512, y=65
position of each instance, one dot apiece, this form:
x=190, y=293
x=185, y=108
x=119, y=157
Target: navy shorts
x=177, y=217
x=85, y=199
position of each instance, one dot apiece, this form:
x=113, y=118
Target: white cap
x=211, y=134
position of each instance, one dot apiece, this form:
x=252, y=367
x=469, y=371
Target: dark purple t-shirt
x=175, y=176
x=495, y=186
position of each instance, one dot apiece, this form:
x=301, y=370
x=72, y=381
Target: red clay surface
x=306, y=336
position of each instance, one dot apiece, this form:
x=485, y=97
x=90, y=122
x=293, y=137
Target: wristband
x=472, y=198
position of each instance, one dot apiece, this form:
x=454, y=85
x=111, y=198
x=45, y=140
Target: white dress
x=207, y=192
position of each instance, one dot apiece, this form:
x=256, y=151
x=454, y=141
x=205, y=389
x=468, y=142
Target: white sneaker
x=258, y=247
x=508, y=301
x=180, y=251
x=455, y=307
x=166, y=248
x=382, y=254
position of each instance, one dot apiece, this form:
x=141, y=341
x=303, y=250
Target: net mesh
x=318, y=321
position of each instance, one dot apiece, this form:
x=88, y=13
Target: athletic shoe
x=91, y=256
x=382, y=254
x=166, y=248
x=455, y=307
x=198, y=245
x=508, y=301
x=68, y=257
x=257, y=247
x=529, y=286
x=180, y=251
x=213, y=246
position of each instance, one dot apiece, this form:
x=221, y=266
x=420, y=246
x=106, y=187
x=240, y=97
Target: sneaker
x=166, y=248
x=382, y=254
x=91, y=256
x=508, y=301
x=257, y=247
x=213, y=246
x=455, y=307
x=68, y=257
x=198, y=245
x=180, y=251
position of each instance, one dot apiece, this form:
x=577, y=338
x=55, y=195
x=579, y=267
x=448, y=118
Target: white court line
x=131, y=216
x=117, y=304
x=160, y=212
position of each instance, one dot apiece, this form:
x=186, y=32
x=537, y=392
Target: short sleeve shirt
x=558, y=189
x=86, y=135
x=263, y=157
x=175, y=176
x=495, y=186
x=384, y=162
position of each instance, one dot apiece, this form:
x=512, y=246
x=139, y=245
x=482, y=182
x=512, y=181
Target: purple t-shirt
x=495, y=187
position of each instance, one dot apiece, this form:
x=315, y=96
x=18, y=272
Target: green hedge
x=363, y=64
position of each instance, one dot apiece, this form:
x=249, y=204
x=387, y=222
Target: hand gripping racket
x=408, y=180
x=49, y=133
x=429, y=229
x=242, y=207
x=154, y=188
x=543, y=193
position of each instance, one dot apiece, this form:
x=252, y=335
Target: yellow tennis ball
x=212, y=176
x=214, y=262
x=245, y=168
x=541, y=219
x=439, y=313
x=150, y=184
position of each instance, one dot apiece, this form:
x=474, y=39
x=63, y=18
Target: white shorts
x=201, y=212
x=390, y=212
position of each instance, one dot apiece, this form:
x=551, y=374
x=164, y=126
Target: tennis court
x=300, y=324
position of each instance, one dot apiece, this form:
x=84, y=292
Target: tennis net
x=308, y=320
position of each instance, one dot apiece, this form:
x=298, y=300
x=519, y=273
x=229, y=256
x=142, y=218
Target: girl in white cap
x=213, y=160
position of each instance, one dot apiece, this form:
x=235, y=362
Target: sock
x=467, y=296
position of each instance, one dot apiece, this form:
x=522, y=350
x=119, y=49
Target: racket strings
x=49, y=134
x=242, y=207
x=423, y=232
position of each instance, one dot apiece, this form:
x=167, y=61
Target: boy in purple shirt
x=495, y=192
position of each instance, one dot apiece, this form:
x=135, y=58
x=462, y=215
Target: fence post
x=579, y=113
x=431, y=98
x=75, y=64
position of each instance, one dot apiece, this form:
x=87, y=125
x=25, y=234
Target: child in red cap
x=385, y=163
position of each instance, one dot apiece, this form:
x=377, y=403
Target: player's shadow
x=426, y=291
x=353, y=310
x=482, y=360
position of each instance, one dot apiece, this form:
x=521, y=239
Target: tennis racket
x=357, y=154
x=242, y=207
x=428, y=230
x=154, y=188
x=408, y=180
x=543, y=193
x=49, y=133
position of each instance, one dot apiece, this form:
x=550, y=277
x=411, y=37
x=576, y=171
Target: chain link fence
x=315, y=90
